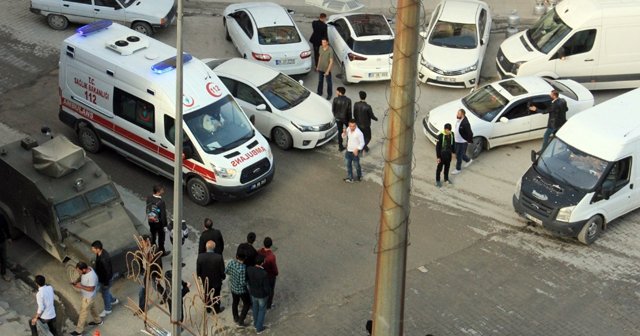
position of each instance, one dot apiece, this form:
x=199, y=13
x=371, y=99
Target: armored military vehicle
x=62, y=200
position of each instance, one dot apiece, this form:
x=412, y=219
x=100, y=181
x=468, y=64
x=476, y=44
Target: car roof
x=246, y=71
x=268, y=14
x=463, y=11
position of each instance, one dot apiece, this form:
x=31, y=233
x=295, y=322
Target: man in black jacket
x=463, y=137
x=210, y=270
x=557, y=115
x=210, y=233
x=157, y=217
x=259, y=288
x=5, y=238
x=104, y=269
x=445, y=146
x=319, y=32
x=341, y=109
x=363, y=114
x=248, y=250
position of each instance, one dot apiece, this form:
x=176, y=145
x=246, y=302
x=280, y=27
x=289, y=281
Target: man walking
x=88, y=284
x=325, y=63
x=248, y=250
x=557, y=116
x=46, y=312
x=157, y=217
x=210, y=270
x=363, y=113
x=259, y=288
x=237, y=272
x=355, y=143
x=341, y=109
x=104, y=270
x=445, y=145
x=5, y=238
x=210, y=233
x=463, y=137
x=270, y=266
x=319, y=33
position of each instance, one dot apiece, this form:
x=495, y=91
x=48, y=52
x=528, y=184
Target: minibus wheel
x=198, y=191
x=89, y=139
x=591, y=230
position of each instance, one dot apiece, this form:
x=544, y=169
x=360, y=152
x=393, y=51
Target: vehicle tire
x=89, y=140
x=142, y=27
x=198, y=191
x=477, y=147
x=345, y=81
x=57, y=22
x=591, y=230
x=282, y=138
x=226, y=30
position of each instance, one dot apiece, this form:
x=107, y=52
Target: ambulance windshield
x=220, y=126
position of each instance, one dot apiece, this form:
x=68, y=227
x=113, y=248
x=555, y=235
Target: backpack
x=153, y=212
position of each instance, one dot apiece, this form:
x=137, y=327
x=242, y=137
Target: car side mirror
x=423, y=34
x=504, y=120
x=261, y=107
x=291, y=11
x=606, y=192
x=482, y=41
x=560, y=54
x=301, y=82
x=534, y=156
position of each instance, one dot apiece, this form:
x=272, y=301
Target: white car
x=280, y=107
x=455, y=44
x=141, y=15
x=363, y=46
x=499, y=112
x=265, y=33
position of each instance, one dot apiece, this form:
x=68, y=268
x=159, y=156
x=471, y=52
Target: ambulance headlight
x=564, y=215
x=224, y=172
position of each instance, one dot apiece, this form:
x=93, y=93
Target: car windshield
x=567, y=164
x=562, y=89
x=283, y=92
x=219, y=126
x=485, y=102
x=101, y=195
x=454, y=35
x=374, y=47
x=81, y=203
x=278, y=35
x=547, y=32
x=369, y=25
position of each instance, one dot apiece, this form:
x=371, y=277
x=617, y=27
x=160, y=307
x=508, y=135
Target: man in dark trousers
x=5, y=239
x=248, y=250
x=46, y=311
x=341, y=109
x=237, y=272
x=463, y=136
x=557, y=115
x=210, y=233
x=271, y=267
x=210, y=270
x=168, y=275
x=104, y=269
x=319, y=32
x=445, y=145
x=259, y=288
x=157, y=218
x=325, y=63
x=363, y=114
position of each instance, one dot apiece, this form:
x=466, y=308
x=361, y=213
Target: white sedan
x=279, y=106
x=265, y=33
x=499, y=112
x=363, y=46
x=455, y=44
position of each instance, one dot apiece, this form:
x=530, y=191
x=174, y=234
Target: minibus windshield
x=548, y=32
x=571, y=166
x=220, y=126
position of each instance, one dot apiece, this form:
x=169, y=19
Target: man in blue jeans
x=355, y=144
x=259, y=288
x=463, y=137
x=104, y=270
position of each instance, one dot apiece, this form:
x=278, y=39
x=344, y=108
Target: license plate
x=445, y=79
x=285, y=61
x=533, y=219
x=377, y=74
x=258, y=184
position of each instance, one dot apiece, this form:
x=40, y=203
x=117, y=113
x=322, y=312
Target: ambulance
x=117, y=90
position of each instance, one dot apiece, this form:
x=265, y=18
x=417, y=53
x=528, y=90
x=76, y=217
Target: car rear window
x=513, y=87
x=278, y=35
x=562, y=89
x=375, y=47
x=369, y=25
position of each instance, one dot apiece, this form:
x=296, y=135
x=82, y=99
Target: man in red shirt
x=270, y=266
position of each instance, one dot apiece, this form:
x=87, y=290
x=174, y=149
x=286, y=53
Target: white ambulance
x=117, y=89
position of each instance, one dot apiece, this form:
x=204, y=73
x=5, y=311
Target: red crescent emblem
x=214, y=90
x=188, y=101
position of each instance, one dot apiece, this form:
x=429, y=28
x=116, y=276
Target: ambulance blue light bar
x=169, y=64
x=94, y=27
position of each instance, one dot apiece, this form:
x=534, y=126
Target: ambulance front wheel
x=89, y=139
x=198, y=191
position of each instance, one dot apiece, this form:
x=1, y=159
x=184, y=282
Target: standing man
x=46, y=312
x=157, y=217
x=445, y=146
x=248, y=250
x=210, y=270
x=210, y=233
x=355, y=143
x=325, y=63
x=363, y=113
x=319, y=33
x=184, y=291
x=5, y=238
x=557, y=115
x=88, y=285
x=342, y=112
x=237, y=272
x=104, y=270
x=270, y=266
x=259, y=288
x=463, y=137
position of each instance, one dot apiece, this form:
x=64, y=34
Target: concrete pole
x=388, y=311
x=176, y=279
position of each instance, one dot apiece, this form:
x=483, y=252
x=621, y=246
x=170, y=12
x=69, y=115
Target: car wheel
x=142, y=27
x=198, y=191
x=89, y=140
x=226, y=30
x=591, y=230
x=282, y=138
x=345, y=80
x=477, y=147
x=57, y=22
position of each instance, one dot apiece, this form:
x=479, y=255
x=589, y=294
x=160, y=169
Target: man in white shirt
x=355, y=144
x=46, y=312
x=88, y=285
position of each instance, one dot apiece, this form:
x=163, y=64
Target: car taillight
x=261, y=57
x=354, y=57
x=305, y=54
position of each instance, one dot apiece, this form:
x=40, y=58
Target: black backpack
x=153, y=211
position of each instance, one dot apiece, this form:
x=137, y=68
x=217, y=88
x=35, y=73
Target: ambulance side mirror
x=187, y=150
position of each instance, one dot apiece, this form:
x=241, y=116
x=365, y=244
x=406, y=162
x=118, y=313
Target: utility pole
x=388, y=310
x=176, y=279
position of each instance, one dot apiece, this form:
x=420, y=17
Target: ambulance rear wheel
x=57, y=22
x=198, y=191
x=89, y=139
x=142, y=27
x=282, y=138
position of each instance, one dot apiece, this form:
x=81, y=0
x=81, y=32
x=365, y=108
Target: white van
x=594, y=42
x=589, y=174
x=117, y=88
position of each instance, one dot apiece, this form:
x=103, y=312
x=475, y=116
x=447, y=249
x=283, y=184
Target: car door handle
x=96, y=9
x=164, y=146
x=65, y=5
x=631, y=186
x=152, y=139
x=589, y=60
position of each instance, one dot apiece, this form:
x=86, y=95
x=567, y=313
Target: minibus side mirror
x=534, y=156
x=606, y=192
x=261, y=107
